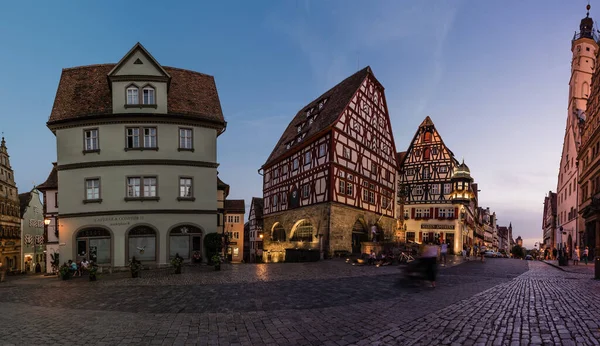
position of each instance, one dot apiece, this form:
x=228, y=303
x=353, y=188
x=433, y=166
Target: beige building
x=10, y=217
x=136, y=161
x=235, y=209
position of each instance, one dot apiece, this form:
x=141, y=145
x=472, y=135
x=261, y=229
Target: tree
x=518, y=251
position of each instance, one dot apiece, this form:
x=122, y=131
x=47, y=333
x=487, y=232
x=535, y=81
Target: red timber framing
x=352, y=159
x=426, y=169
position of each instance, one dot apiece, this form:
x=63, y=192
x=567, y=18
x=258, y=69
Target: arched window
x=132, y=95
x=148, y=95
x=185, y=240
x=94, y=244
x=278, y=233
x=141, y=242
x=303, y=232
x=427, y=154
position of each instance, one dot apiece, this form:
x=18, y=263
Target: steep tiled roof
x=258, y=205
x=235, y=206
x=337, y=99
x=24, y=199
x=400, y=158
x=51, y=182
x=85, y=91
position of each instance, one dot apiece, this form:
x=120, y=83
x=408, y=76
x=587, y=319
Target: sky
x=492, y=75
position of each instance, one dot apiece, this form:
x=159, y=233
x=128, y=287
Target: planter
x=177, y=270
x=218, y=267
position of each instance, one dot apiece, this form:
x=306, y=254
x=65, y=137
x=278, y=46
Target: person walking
x=586, y=252
x=576, y=256
x=482, y=252
x=443, y=253
x=429, y=258
x=2, y=272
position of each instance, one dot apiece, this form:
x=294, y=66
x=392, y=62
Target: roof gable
x=235, y=206
x=138, y=61
x=51, y=182
x=257, y=206
x=324, y=112
x=414, y=154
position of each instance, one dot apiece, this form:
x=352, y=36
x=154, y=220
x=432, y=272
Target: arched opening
x=427, y=136
x=359, y=235
x=141, y=243
x=427, y=154
x=570, y=244
x=278, y=233
x=303, y=232
x=93, y=244
x=186, y=240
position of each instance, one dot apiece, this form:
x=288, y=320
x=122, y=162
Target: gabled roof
x=24, y=199
x=258, y=204
x=51, y=182
x=337, y=99
x=427, y=122
x=222, y=186
x=136, y=47
x=400, y=158
x=84, y=92
x=237, y=206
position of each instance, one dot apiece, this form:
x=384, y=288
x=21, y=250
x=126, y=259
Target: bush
x=518, y=251
x=213, y=243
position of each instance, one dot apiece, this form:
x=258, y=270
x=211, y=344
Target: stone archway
x=278, y=233
x=303, y=231
x=359, y=235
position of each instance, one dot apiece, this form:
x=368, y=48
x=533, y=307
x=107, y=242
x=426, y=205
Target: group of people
x=77, y=269
x=475, y=251
x=576, y=255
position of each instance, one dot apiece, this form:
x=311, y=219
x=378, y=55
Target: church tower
x=10, y=212
x=584, y=47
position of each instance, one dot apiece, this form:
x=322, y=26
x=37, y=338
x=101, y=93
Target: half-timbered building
x=425, y=181
x=330, y=179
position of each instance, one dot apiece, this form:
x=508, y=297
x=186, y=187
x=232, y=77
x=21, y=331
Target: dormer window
x=132, y=95
x=149, y=95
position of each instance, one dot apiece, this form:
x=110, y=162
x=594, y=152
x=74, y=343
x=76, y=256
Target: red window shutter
x=420, y=237
x=431, y=237
x=436, y=212
x=412, y=213
x=431, y=211
x=456, y=213
x=442, y=237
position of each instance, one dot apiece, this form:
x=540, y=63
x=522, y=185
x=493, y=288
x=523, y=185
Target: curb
x=555, y=266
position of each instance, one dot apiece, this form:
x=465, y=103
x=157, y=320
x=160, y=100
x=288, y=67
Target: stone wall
x=334, y=230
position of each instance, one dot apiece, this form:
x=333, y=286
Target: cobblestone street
x=499, y=302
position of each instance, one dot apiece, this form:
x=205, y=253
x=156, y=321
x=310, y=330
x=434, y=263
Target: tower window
x=587, y=49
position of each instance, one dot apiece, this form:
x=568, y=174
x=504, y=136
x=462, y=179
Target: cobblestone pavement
x=499, y=302
x=580, y=268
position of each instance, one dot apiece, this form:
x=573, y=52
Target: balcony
x=591, y=35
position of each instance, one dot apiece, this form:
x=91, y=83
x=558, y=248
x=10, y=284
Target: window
x=418, y=213
x=342, y=187
x=141, y=187
x=443, y=169
x=406, y=213
x=322, y=149
x=305, y=190
x=426, y=173
x=427, y=136
x=349, y=189
x=426, y=154
x=91, y=140
x=307, y=158
x=56, y=200
x=347, y=153
x=275, y=200
x=148, y=96
x=149, y=140
x=447, y=188
x=426, y=213
x=410, y=236
x=92, y=189
x=451, y=213
x=371, y=197
x=185, y=139
x=185, y=187
x=442, y=213
x=418, y=189
x=373, y=168
x=132, y=95
x=435, y=189
x=295, y=164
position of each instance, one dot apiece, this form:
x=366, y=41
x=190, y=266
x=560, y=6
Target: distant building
x=32, y=231
x=331, y=179
x=519, y=241
x=255, y=230
x=10, y=216
x=234, y=227
x=50, y=208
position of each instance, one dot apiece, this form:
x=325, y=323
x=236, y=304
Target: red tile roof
x=400, y=158
x=51, y=182
x=235, y=206
x=85, y=91
x=337, y=99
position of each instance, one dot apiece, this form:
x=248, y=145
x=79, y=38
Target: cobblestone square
x=498, y=302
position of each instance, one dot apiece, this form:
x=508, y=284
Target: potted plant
x=216, y=260
x=135, y=267
x=93, y=269
x=176, y=263
x=64, y=272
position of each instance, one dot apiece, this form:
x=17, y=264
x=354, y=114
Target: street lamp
x=47, y=222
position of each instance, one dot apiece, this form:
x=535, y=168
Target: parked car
x=489, y=254
x=528, y=258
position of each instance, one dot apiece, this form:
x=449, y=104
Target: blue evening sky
x=493, y=76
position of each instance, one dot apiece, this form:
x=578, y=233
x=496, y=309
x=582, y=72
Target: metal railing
x=593, y=34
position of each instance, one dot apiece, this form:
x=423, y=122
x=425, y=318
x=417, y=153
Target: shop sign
x=433, y=226
x=118, y=220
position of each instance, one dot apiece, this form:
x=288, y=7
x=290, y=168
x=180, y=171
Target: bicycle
x=404, y=258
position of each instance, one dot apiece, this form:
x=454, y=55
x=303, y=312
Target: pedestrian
x=586, y=252
x=443, y=253
x=482, y=252
x=429, y=258
x=464, y=252
x=576, y=256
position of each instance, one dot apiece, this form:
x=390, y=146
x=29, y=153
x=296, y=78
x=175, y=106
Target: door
x=197, y=248
x=450, y=242
x=82, y=250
